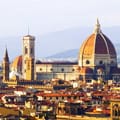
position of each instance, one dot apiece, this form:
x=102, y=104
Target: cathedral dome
x=17, y=64
x=97, y=47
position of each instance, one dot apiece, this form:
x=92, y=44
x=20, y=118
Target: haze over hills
x=73, y=53
x=70, y=54
x=48, y=45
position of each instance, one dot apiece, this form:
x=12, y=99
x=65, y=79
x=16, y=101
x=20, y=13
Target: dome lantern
x=97, y=29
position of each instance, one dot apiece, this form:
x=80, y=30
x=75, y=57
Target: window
x=87, y=62
x=101, y=62
x=40, y=69
x=26, y=50
x=75, y=97
x=73, y=70
x=44, y=98
x=62, y=69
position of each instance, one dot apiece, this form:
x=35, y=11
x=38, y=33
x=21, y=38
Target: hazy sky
x=46, y=16
x=43, y=16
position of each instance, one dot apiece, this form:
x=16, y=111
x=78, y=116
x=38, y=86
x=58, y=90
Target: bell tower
x=28, y=57
x=6, y=66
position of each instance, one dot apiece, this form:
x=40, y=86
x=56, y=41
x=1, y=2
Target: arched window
x=87, y=62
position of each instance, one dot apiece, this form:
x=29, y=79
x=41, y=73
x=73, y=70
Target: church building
x=97, y=60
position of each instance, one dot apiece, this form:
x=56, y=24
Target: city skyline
x=34, y=86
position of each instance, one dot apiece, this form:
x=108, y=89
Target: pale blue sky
x=47, y=16
x=43, y=16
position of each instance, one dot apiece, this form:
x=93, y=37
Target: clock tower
x=28, y=70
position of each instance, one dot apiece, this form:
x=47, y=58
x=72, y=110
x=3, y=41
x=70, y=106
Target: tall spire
x=6, y=66
x=97, y=27
x=6, y=58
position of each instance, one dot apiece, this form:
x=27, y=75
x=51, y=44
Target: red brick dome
x=97, y=43
x=97, y=50
x=17, y=63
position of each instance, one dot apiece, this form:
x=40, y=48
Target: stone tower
x=28, y=57
x=6, y=66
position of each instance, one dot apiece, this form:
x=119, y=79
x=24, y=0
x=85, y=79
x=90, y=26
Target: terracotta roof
x=103, y=45
x=97, y=44
x=17, y=62
x=57, y=94
x=87, y=47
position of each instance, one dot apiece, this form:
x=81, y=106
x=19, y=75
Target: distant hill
x=66, y=54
